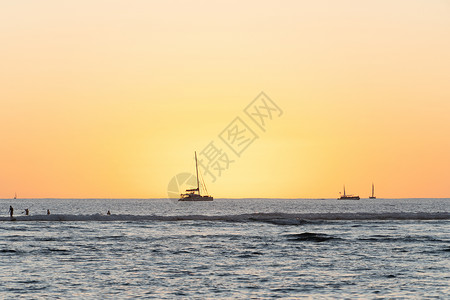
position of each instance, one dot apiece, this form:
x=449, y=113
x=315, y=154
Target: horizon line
x=222, y=198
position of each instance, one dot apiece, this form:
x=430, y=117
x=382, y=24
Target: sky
x=110, y=99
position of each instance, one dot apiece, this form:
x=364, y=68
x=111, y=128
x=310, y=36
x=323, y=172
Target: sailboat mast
x=372, y=189
x=344, y=190
x=196, y=169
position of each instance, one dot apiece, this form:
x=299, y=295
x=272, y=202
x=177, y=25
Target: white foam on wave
x=275, y=218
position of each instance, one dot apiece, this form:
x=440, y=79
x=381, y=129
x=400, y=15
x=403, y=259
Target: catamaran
x=191, y=194
x=373, y=194
x=348, y=197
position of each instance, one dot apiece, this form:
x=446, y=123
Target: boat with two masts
x=194, y=194
x=348, y=197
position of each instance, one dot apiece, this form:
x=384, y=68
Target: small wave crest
x=310, y=237
x=272, y=218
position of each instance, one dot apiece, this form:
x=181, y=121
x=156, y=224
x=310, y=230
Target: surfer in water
x=48, y=211
x=108, y=213
x=27, y=211
x=11, y=211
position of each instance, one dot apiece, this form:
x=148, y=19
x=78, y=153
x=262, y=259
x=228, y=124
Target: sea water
x=227, y=248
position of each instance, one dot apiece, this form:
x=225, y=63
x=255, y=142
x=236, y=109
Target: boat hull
x=198, y=198
x=349, y=198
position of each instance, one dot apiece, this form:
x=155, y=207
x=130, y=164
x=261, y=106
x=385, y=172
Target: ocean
x=228, y=248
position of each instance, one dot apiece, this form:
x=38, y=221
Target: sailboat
x=15, y=195
x=194, y=194
x=373, y=194
x=348, y=197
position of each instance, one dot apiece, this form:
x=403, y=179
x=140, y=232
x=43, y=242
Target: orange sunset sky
x=111, y=98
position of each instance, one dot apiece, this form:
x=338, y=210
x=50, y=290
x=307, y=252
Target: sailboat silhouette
x=190, y=194
x=348, y=197
x=373, y=193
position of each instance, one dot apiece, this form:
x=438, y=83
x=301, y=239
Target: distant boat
x=15, y=195
x=191, y=194
x=348, y=197
x=373, y=194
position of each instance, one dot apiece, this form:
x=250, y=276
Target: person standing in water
x=48, y=211
x=11, y=211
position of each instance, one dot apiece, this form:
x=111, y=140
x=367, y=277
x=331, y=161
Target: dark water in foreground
x=229, y=248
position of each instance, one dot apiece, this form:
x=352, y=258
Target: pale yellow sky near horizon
x=111, y=98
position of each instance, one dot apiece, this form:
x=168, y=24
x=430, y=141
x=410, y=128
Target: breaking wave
x=273, y=218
